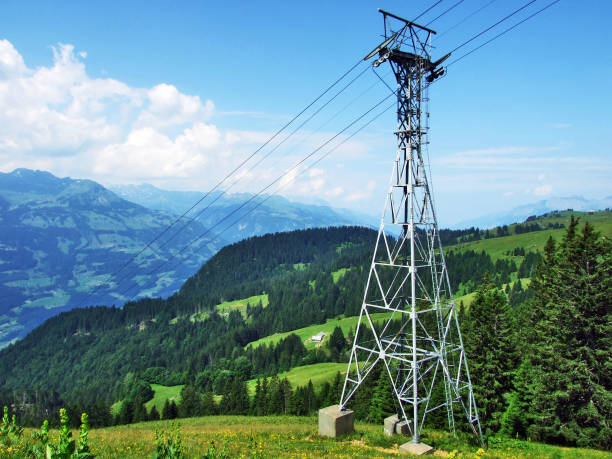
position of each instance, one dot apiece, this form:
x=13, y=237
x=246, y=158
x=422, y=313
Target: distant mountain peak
x=520, y=213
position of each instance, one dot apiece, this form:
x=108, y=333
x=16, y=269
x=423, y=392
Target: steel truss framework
x=419, y=343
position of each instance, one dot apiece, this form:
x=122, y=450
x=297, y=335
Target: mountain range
x=521, y=213
x=67, y=243
x=251, y=215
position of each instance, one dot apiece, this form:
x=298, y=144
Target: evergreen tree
x=568, y=375
x=258, y=400
x=190, y=403
x=236, y=401
x=140, y=412
x=335, y=391
x=336, y=342
x=490, y=346
x=126, y=412
x=165, y=414
x=154, y=414
x=381, y=403
x=209, y=406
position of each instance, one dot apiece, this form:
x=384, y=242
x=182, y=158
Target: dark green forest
x=539, y=355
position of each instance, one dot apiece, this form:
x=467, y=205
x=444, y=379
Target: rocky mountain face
x=61, y=239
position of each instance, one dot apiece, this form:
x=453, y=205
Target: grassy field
x=241, y=305
x=336, y=275
x=162, y=393
x=345, y=323
x=297, y=437
x=497, y=247
x=318, y=373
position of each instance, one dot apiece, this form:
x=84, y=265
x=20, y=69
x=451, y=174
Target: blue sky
x=178, y=93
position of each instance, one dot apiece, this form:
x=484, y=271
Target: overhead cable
x=264, y=189
x=502, y=33
x=492, y=26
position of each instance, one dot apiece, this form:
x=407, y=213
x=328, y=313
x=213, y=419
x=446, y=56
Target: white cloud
x=106, y=128
x=11, y=62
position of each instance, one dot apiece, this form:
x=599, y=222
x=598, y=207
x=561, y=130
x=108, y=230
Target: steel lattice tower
x=418, y=342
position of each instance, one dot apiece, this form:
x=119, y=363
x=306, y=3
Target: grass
x=318, y=373
x=345, y=323
x=161, y=394
x=535, y=241
x=297, y=437
x=241, y=305
x=336, y=275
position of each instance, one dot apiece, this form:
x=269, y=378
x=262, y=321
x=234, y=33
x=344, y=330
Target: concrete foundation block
x=417, y=449
x=334, y=422
x=393, y=426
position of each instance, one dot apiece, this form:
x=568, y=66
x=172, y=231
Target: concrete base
x=333, y=422
x=394, y=427
x=418, y=449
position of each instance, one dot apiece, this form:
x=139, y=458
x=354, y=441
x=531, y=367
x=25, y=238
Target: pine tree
x=490, y=345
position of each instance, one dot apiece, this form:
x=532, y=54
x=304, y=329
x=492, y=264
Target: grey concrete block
x=389, y=426
x=394, y=427
x=333, y=422
x=418, y=449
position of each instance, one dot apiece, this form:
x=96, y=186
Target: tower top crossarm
x=407, y=44
x=405, y=21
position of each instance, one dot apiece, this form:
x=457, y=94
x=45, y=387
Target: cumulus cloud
x=60, y=111
x=59, y=118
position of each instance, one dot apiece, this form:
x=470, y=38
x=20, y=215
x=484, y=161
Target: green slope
x=345, y=323
x=318, y=373
x=161, y=394
x=498, y=246
x=241, y=305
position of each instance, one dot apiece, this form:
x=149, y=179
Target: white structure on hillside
x=318, y=337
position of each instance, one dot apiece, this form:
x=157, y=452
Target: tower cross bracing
x=418, y=345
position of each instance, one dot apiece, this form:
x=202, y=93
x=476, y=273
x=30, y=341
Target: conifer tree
x=567, y=382
x=490, y=345
x=166, y=413
x=258, y=400
x=190, y=403
x=140, y=412
x=154, y=414
x=381, y=404
x=209, y=406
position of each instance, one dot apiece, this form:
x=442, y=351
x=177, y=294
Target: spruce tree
x=381, y=403
x=490, y=345
x=154, y=414
x=209, y=406
x=569, y=378
x=190, y=403
x=166, y=410
x=140, y=412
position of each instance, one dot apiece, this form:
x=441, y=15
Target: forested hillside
x=96, y=356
